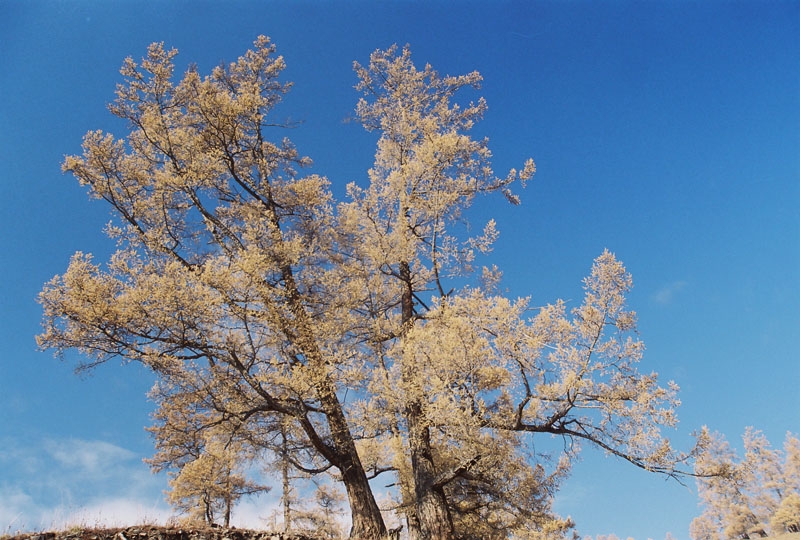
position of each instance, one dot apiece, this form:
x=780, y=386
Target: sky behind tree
x=667, y=133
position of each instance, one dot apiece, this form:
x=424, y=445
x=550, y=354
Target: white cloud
x=59, y=483
x=21, y=459
x=16, y=508
x=666, y=294
x=90, y=457
x=255, y=512
x=64, y=482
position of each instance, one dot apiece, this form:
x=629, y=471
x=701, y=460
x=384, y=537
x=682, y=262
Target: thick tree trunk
x=412, y=521
x=367, y=519
x=431, y=505
x=414, y=531
x=432, y=515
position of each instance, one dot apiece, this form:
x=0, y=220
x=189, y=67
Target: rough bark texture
x=367, y=519
x=432, y=512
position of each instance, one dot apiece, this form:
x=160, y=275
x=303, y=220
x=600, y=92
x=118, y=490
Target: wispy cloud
x=666, y=294
x=117, y=511
x=58, y=483
x=16, y=509
x=62, y=482
x=256, y=512
x=92, y=457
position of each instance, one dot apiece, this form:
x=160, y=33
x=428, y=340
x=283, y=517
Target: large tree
x=261, y=304
x=467, y=377
x=227, y=281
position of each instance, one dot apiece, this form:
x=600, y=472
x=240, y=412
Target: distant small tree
x=285, y=447
x=787, y=516
x=206, y=488
x=750, y=496
x=323, y=518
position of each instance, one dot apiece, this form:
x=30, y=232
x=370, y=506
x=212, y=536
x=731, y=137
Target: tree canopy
x=363, y=330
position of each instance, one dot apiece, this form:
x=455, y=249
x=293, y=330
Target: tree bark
x=287, y=511
x=367, y=520
x=412, y=522
x=432, y=515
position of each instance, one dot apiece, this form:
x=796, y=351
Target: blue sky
x=668, y=133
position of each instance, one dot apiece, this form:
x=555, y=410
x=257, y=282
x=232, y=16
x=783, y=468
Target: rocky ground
x=147, y=532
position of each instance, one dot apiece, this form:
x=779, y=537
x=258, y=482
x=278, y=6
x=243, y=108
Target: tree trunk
x=228, y=499
x=227, y=512
x=367, y=519
x=432, y=515
x=287, y=510
x=412, y=521
x=207, y=510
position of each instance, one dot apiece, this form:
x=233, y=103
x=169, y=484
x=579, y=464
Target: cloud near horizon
x=63, y=482
x=54, y=484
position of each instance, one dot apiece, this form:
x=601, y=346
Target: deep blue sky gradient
x=668, y=133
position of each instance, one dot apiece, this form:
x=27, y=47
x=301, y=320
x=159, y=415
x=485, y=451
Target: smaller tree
x=286, y=446
x=787, y=516
x=751, y=496
x=206, y=488
x=323, y=518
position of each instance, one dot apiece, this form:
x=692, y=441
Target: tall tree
x=226, y=279
x=260, y=303
x=427, y=170
x=465, y=378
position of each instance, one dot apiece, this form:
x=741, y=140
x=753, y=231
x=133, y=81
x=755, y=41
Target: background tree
x=207, y=458
x=207, y=487
x=323, y=516
x=787, y=515
x=750, y=495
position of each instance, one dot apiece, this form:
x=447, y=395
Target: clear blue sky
x=668, y=133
